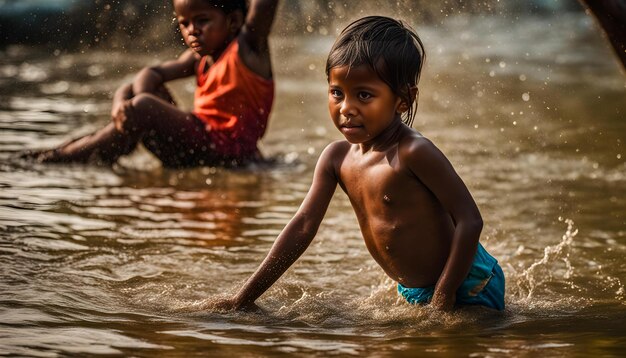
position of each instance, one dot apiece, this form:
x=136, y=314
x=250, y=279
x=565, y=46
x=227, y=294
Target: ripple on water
x=289, y=345
x=26, y=316
x=40, y=342
x=61, y=222
x=53, y=244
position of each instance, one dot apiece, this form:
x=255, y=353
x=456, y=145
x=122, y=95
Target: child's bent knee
x=145, y=107
x=144, y=102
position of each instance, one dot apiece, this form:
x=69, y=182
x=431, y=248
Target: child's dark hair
x=389, y=47
x=229, y=6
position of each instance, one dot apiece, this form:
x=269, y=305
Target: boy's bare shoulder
x=413, y=141
x=336, y=150
x=338, y=147
x=415, y=148
x=333, y=155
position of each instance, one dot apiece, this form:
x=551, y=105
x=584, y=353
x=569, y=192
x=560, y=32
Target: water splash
x=546, y=270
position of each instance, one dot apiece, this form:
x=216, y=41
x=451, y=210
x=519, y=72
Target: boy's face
x=361, y=105
x=205, y=29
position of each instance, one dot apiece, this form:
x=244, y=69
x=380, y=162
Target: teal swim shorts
x=483, y=286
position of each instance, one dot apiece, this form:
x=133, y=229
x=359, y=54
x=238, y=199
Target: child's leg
x=146, y=113
x=177, y=138
x=105, y=145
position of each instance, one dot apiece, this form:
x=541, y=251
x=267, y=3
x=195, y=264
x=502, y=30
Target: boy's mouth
x=350, y=125
x=350, y=128
x=194, y=42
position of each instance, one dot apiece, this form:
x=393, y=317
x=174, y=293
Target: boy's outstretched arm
x=295, y=237
x=433, y=169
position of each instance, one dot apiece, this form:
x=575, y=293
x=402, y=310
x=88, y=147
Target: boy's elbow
x=151, y=73
x=473, y=223
x=476, y=223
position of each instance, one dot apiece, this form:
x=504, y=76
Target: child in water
x=417, y=217
x=229, y=55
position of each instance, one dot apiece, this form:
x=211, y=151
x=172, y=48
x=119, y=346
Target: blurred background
x=72, y=24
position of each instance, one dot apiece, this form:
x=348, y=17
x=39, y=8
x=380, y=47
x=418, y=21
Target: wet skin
x=417, y=218
x=406, y=229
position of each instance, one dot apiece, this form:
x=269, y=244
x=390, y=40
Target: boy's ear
x=413, y=93
x=235, y=21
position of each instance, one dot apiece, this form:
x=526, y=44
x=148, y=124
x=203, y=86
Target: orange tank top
x=234, y=102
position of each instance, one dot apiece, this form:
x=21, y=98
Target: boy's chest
x=380, y=182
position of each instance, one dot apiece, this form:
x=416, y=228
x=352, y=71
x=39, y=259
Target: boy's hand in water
x=120, y=114
x=230, y=304
x=443, y=302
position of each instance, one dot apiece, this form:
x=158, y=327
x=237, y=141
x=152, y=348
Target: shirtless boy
x=416, y=215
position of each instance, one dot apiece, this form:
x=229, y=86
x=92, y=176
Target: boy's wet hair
x=229, y=6
x=389, y=47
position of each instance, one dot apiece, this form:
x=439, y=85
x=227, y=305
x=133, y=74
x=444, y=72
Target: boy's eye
x=336, y=93
x=364, y=96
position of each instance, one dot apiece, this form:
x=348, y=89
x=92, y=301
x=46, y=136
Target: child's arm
x=258, y=24
x=253, y=45
x=149, y=79
x=434, y=170
x=295, y=237
x=122, y=94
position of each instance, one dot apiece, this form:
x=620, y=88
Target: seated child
x=418, y=219
x=229, y=55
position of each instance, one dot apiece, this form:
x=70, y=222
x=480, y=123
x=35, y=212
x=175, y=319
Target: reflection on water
x=121, y=261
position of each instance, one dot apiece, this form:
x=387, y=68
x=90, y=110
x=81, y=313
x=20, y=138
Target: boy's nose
x=347, y=109
x=192, y=28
